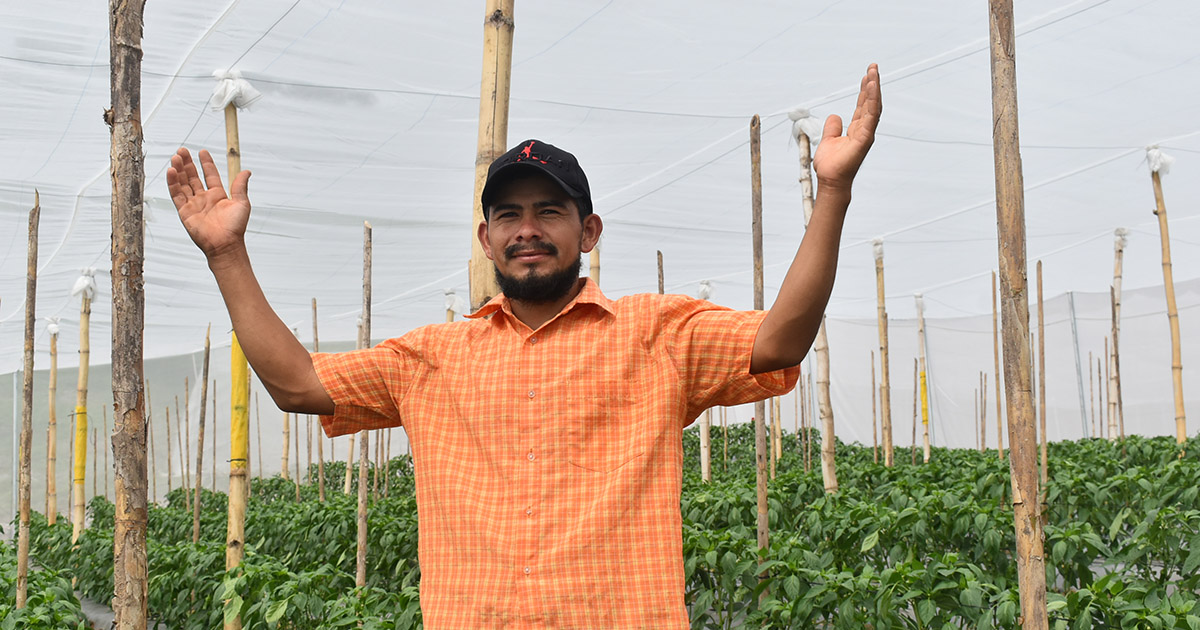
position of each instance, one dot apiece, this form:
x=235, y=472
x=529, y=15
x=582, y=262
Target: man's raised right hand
x=215, y=221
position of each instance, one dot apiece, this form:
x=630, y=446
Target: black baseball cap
x=560, y=165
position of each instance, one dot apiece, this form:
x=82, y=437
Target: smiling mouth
x=530, y=254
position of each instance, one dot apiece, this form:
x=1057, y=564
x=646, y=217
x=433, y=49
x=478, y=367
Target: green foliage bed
x=924, y=546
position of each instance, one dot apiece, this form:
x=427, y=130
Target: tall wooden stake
x=493, y=132
x=916, y=398
x=25, y=477
x=320, y=437
x=661, y=287
x=1118, y=262
x=360, y=575
x=1010, y=217
x=1160, y=210
x=52, y=429
x=95, y=458
x=874, y=414
x=1109, y=420
x=821, y=345
x=200, y=434
x=706, y=446
x=258, y=427
x=1092, y=394
x=924, y=387
x=760, y=410
x=81, y=423
x=296, y=433
x=151, y=445
x=214, y=436
x=170, y=469
x=1042, y=384
x=1114, y=388
x=996, y=357
x=128, y=317
x=187, y=438
x=885, y=395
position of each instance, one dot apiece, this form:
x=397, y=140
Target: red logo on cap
x=527, y=154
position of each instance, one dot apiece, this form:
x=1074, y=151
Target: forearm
x=278, y=358
x=791, y=325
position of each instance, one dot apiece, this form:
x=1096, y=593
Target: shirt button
x=528, y=570
x=528, y=511
x=533, y=340
x=531, y=393
x=530, y=456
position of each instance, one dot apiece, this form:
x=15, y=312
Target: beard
x=539, y=288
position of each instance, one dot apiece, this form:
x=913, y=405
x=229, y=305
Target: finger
x=238, y=188
x=191, y=177
x=179, y=193
x=863, y=91
x=212, y=177
x=833, y=127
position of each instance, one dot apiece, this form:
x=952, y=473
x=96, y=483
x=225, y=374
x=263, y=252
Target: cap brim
x=506, y=172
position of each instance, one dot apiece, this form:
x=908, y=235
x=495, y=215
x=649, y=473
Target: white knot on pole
x=86, y=284
x=232, y=88
x=705, y=290
x=1159, y=162
x=920, y=302
x=1119, y=238
x=52, y=326
x=455, y=302
x=877, y=248
x=803, y=122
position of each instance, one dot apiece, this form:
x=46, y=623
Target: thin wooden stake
x=214, y=436
x=296, y=433
x=1114, y=382
x=200, y=433
x=874, y=414
x=360, y=575
x=661, y=287
x=25, y=449
x=1010, y=219
x=1118, y=259
x=1109, y=421
x=916, y=392
x=320, y=437
x=493, y=133
x=760, y=431
x=1042, y=384
x=95, y=458
x=1160, y=210
x=81, y=424
x=885, y=396
x=170, y=469
x=258, y=427
x=1092, y=390
x=924, y=389
x=152, y=443
x=52, y=430
x=706, y=446
x=187, y=440
x=996, y=357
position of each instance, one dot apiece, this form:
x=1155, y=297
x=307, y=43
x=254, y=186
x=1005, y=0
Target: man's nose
x=530, y=227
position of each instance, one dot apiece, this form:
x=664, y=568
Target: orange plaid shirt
x=549, y=463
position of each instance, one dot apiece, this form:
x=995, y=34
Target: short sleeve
x=367, y=385
x=712, y=346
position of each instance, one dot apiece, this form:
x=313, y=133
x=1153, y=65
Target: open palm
x=839, y=156
x=215, y=221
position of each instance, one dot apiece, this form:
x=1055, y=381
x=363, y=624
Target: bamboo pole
x=493, y=132
x=1118, y=262
x=239, y=399
x=983, y=411
x=320, y=438
x=1159, y=164
x=214, y=436
x=1010, y=217
x=760, y=432
x=170, y=469
x=725, y=436
x=200, y=433
x=360, y=575
x=874, y=414
x=924, y=383
x=186, y=449
x=296, y=434
x=308, y=442
x=52, y=428
x=661, y=287
x=95, y=458
x=87, y=291
x=258, y=427
x=349, y=461
x=770, y=422
x=885, y=399
x=1045, y=453
x=1109, y=421
x=996, y=357
x=287, y=440
x=387, y=463
x=128, y=441
x=916, y=391
x=706, y=446
x=25, y=476
x=1114, y=388
x=975, y=417
x=1092, y=390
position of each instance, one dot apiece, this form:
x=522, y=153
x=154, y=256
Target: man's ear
x=592, y=227
x=484, y=240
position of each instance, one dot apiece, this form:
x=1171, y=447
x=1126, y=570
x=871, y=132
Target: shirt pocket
x=606, y=431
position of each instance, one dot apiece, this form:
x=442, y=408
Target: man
x=546, y=429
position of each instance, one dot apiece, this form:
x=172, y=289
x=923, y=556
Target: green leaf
x=275, y=612
x=870, y=542
x=233, y=609
x=926, y=610
x=1193, y=560
x=791, y=586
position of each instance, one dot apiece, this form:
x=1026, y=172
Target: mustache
x=539, y=248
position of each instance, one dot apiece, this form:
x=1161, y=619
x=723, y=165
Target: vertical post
x=170, y=469
x=916, y=399
x=706, y=446
x=200, y=433
x=983, y=411
x=1042, y=382
x=81, y=424
x=214, y=436
x=296, y=434
x=1118, y=259
x=1010, y=216
x=885, y=394
x=923, y=383
x=1160, y=163
x=760, y=410
x=874, y=414
x=360, y=576
x=1109, y=421
x=187, y=438
x=1114, y=387
x=661, y=288
x=320, y=439
x=52, y=429
x=1083, y=411
x=258, y=427
x=26, y=439
x=151, y=445
x=493, y=132
x=128, y=317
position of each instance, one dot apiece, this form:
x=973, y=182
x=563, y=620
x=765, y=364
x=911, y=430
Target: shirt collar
x=588, y=294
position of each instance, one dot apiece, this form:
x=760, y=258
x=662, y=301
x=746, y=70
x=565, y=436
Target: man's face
x=534, y=236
